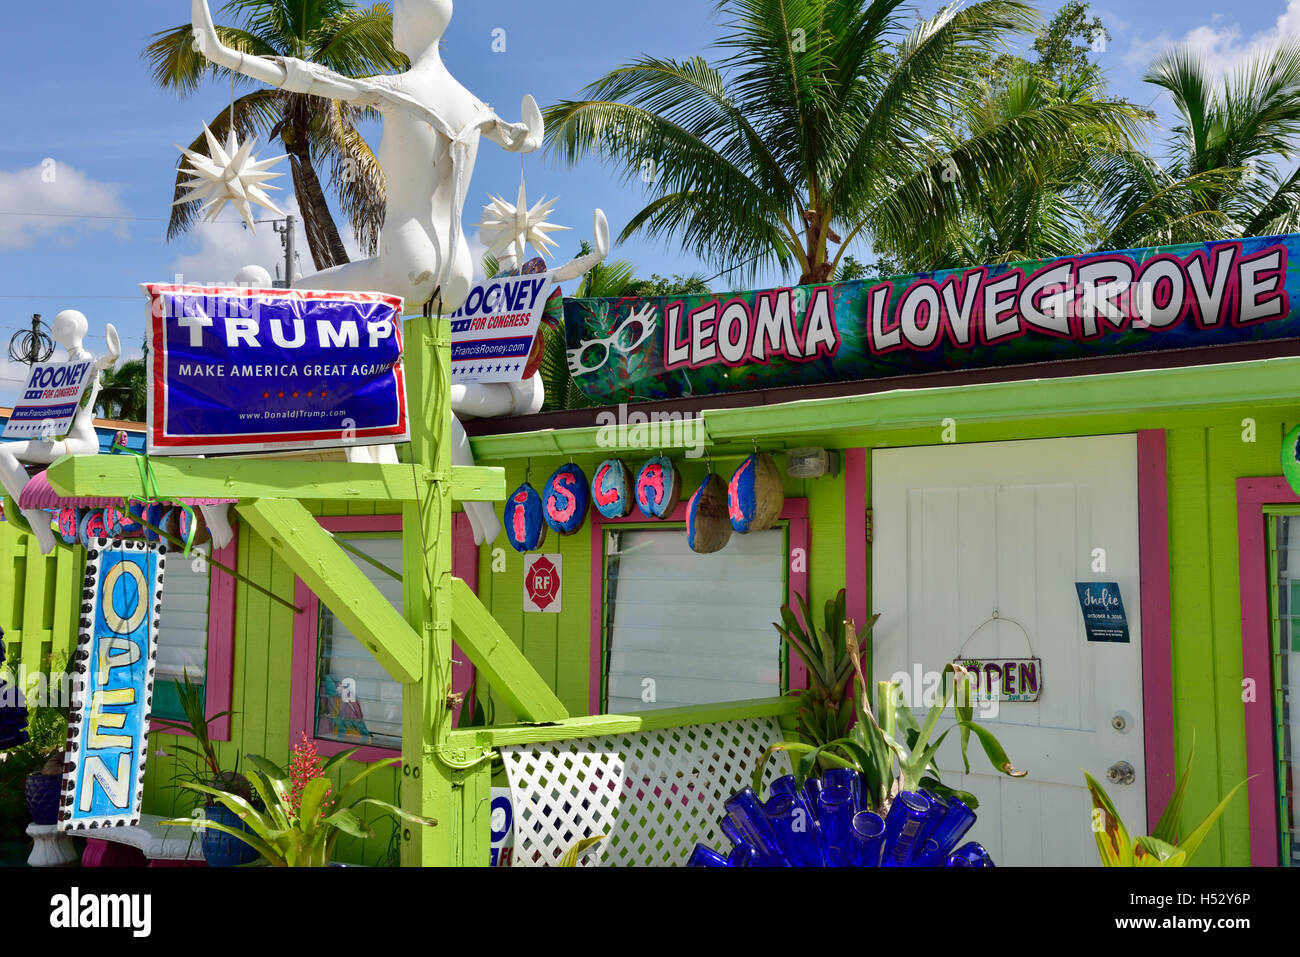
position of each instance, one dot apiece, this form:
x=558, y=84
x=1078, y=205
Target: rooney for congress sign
x=245, y=370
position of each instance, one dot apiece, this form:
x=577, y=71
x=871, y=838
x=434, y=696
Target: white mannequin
x=69, y=330
x=432, y=127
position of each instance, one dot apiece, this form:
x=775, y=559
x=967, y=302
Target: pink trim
x=1157, y=632
x=303, y=686
x=219, y=678
x=1257, y=660
x=855, y=534
x=795, y=512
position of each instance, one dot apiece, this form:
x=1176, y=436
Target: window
x=196, y=634
x=342, y=697
x=182, y=632
x=687, y=629
x=356, y=702
x=1286, y=677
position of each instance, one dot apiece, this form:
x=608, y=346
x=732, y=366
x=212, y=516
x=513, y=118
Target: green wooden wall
x=1207, y=452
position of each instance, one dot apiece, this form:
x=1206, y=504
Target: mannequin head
x=69, y=329
x=418, y=25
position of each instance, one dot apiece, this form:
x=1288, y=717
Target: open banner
x=112, y=696
x=234, y=369
x=1094, y=304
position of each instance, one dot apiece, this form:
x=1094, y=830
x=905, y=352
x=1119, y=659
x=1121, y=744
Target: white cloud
x=59, y=196
x=1222, y=45
x=226, y=246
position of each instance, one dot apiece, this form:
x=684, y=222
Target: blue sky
x=77, y=98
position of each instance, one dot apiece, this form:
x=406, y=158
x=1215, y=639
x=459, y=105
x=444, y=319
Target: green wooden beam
x=298, y=539
x=502, y=663
x=602, y=724
x=118, y=476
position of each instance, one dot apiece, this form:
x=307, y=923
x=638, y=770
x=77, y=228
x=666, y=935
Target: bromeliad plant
x=205, y=765
x=827, y=710
x=872, y=746
x=1166, y=846
x=298, y=825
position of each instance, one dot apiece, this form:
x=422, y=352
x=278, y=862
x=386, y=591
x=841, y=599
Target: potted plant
x=219, y=848
x=844, y=731
x=298, y=822
x=1168, y=845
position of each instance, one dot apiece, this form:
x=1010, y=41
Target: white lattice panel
x=655, y=793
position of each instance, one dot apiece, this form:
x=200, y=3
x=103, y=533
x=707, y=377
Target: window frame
x=302, y=696
x=794, y=514
x=219, y=684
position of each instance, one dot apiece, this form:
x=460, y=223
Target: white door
x=963, y=530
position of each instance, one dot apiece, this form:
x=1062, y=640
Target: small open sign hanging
x=1003, y=679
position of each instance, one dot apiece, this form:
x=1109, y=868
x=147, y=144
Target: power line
x=129, y=219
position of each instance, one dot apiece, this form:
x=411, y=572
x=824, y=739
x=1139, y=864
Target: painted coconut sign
x=611, y=489
x=524, y=525
x=658, y=487
x=565, y=499
x=708, y=527
x=755, y=496
x=91, y=526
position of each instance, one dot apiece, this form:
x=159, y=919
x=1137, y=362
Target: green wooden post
x=435, y=780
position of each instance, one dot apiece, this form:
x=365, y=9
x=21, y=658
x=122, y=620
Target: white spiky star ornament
x=507, y=228
x=230, y=174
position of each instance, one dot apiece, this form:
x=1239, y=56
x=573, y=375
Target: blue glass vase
x=835, y=812
x=907, y=817
x=796, y=830
x=751, y=821
x=706, y=857
x=942, y=836
x=971, y=854
x=868, y=839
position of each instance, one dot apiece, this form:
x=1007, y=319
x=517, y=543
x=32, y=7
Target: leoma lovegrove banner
x=1113, y=303
x=246, y=370
x=108, y=729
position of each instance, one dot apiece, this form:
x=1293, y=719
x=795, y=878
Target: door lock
x=1121, y=721
x=1121, y=772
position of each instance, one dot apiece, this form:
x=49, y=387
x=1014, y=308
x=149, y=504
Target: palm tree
x=1230, y=152
x=827, y=116
x=124, y=396
x=314, y=131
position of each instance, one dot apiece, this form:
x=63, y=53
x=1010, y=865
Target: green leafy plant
x=826, y=711
x=1166, y=846
x=298, y=823
x=872, y=746
x=205, y=767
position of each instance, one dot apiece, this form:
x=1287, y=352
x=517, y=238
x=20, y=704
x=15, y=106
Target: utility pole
x=288, y=230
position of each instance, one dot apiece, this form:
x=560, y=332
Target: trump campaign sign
x=234, y=369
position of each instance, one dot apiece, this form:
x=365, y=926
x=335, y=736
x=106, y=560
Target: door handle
x=1121, y=772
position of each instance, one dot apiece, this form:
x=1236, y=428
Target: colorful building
x=974, y=488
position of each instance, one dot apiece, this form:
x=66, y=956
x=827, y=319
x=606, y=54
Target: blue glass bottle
x=868, y=839
x=706, y=857
x=796, y=830
x=835, y=812
x=939, y=840
x=811, y=789
x=742, y=855
x=907, y=817
x=847, y=777
x=730, y=831
x=746, y=812
x=783, y=785
x=971, y=854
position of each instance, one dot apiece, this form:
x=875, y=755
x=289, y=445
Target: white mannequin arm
x=524, y=137
x=209, y=44
x=583, y=265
